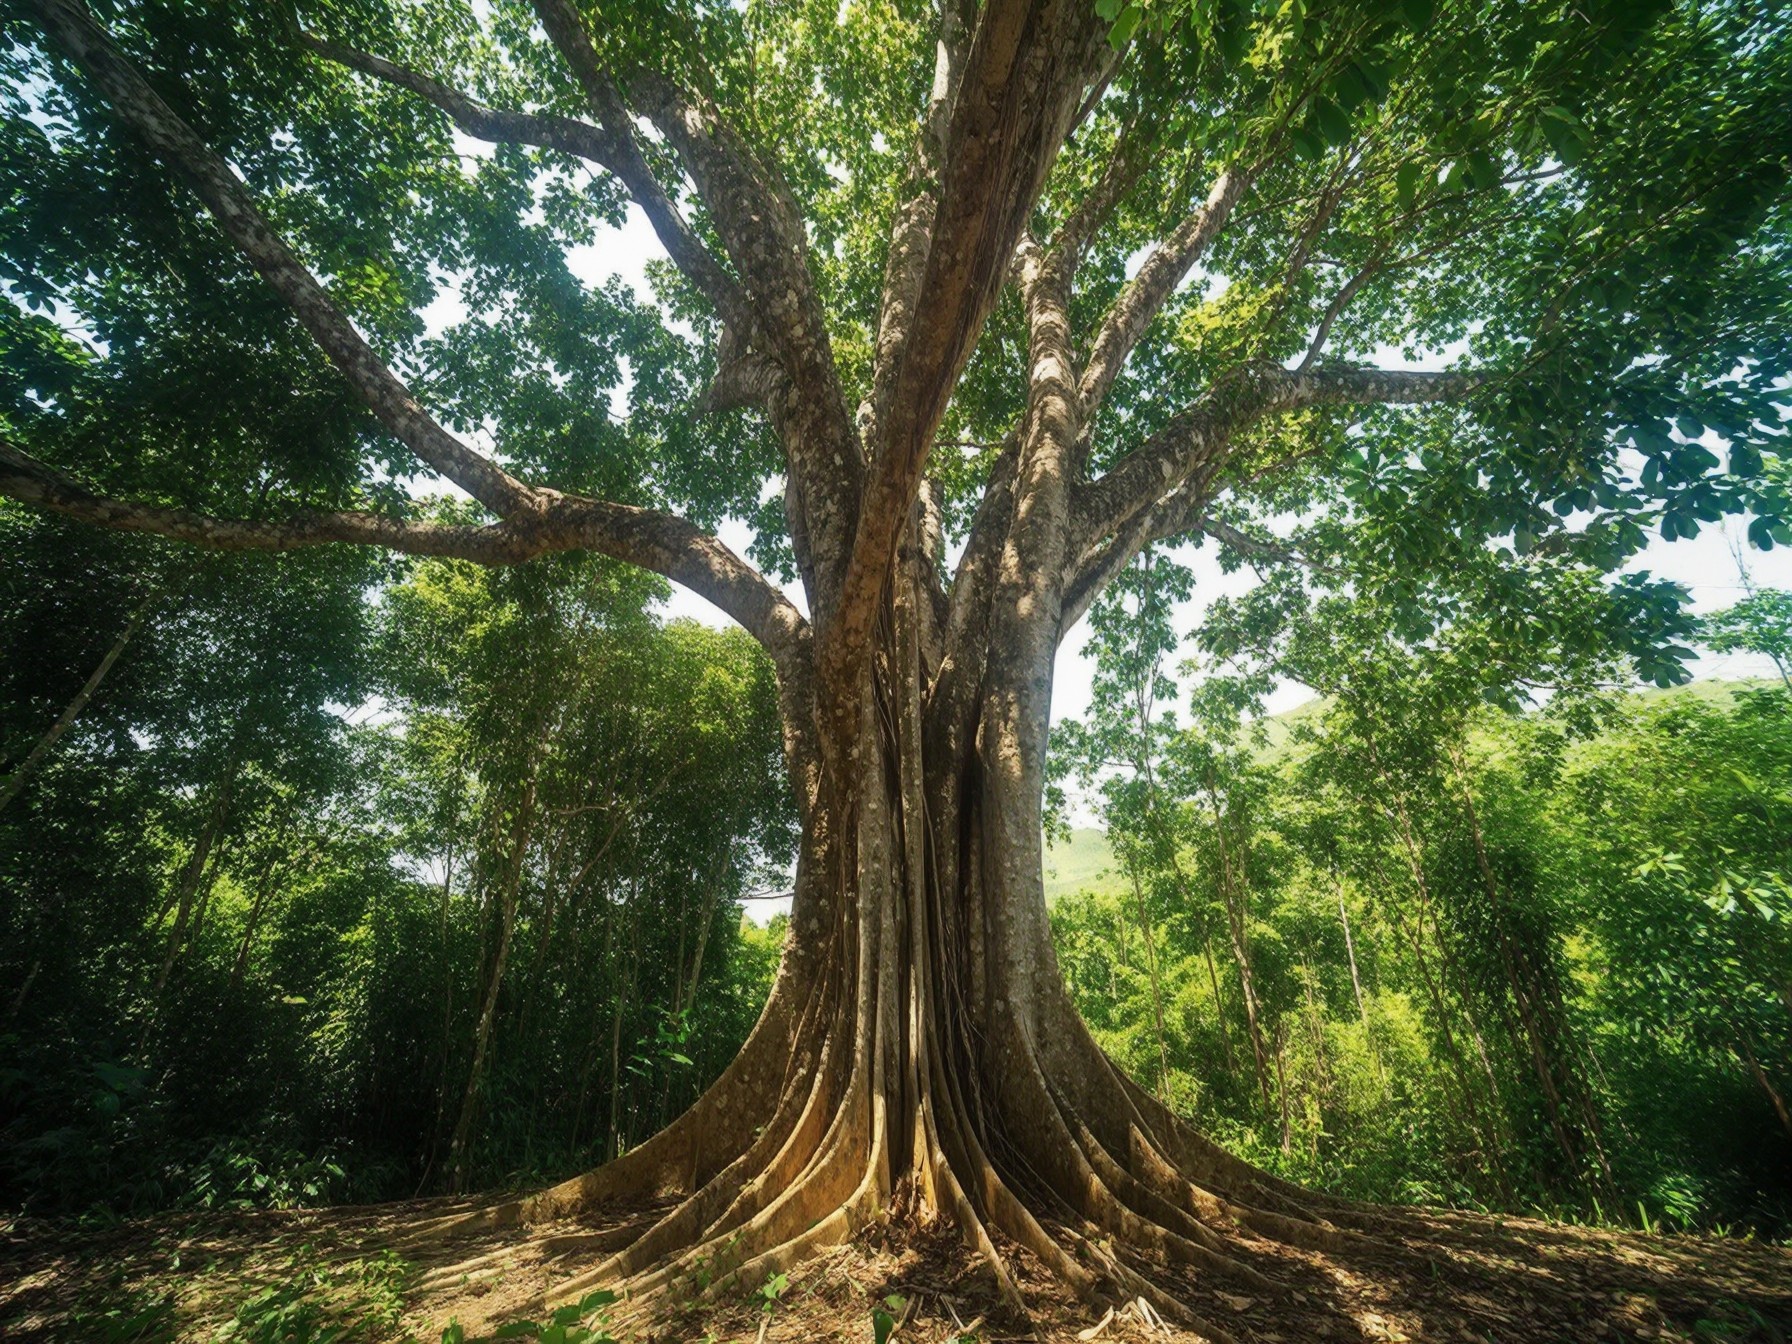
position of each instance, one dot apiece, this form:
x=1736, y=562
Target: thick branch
x=1145, y=295
x=610, y=145
x=762, y=230
x=72, y=28
x=1125, y=166
x=1257, y=548
x=911, y=228
x=1105, y=557
x=657, y=541
x=1198, y=433
x=1020, y=89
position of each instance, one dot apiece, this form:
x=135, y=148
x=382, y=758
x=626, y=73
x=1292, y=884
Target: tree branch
x=763, y=232
x=661, y=542
x=1200, y=432
x=611, y=146
x=1145, y=295
x=73, y=29
x=1104, y=558
x=1022, y=81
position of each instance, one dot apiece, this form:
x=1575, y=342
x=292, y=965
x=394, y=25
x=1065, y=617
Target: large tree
x=966, y=305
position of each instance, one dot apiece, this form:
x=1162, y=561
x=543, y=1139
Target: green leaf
x=1352, y=88
x=1307, y=143
x=1406, y=183
x=1418, y=13
x=1331, y=121
x=1125, y=26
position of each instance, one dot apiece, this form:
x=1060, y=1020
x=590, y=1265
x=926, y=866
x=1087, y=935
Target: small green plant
x=130, y=1317
x=581, y=1322
x=885, y=1318
x=356, y=1302
x=771, y=1290
x=234, y=1175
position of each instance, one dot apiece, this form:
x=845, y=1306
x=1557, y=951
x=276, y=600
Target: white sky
x=1706, y=565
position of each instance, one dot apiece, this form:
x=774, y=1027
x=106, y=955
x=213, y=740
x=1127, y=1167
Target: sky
x=1705, y=565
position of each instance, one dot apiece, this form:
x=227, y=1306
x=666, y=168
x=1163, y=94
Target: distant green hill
x=1082, y=862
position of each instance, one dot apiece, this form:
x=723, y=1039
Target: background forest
x=348, y=880
x=1481, y=927
x=351, y=881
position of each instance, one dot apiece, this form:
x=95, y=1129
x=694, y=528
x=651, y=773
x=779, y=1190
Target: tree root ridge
x=1110, y=1203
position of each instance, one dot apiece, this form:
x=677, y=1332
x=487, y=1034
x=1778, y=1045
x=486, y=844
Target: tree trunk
x=1356, y=982
x=65, y=720
x=200, y=869
x=1157, y=994
x=522, y=830
x=1241, y=951
x=918, y=1049
x=1541, y=1015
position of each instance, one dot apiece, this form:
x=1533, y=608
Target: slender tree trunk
x=200, y=869
x=1282, y=1085
x=1468, y=1113
x=1427, y=914
x=64, y=721
x=1356, y=982
x=18, y=998
x=1157, y=996
x=1316, y=1026
x=252, y=921
x=444, y=1039
x=1241, y=954
x=1774, y=1097
x=1219, y=1004
x=1548, y=1061
x=522, y=831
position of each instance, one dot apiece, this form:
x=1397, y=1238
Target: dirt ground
x=1422, y=1275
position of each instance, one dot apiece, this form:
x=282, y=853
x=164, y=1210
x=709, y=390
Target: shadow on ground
x=371, y=1275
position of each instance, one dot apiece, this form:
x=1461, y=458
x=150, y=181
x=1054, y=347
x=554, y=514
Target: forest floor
x=362, y=1273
